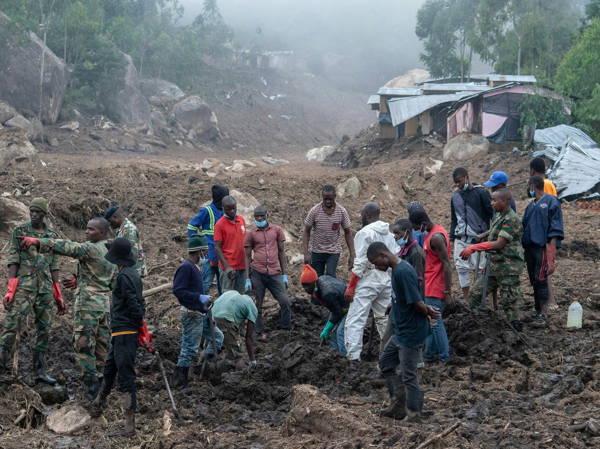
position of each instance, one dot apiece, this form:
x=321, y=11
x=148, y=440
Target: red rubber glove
x=27, y=242
x=145, y=337
x=550, y=258
x=469, y=250
x=58, y=298
x=70, y=283
x=351, y=288
x=11, y=290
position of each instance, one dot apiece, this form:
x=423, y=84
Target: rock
x=240, y=165
x=246, y=203
x=465, y=146
x=71, y=126
x=245, y=163
x=52, y=394
x=160, y=92
x=122, y=99
x=433, y=169
x=349, y=188
x=68, y=420
x=320, y=154
x=20, y=62
x=193, y=114
x=311, y=413
x=15, y=147
x=12, y=213
x=297, y=259
x=53, y=141
x=272, y=161
x=158, y=122
x=20, y=122
x=6, y=112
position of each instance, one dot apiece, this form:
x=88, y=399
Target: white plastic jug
x=575, y=316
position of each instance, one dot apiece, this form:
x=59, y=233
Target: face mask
x=532, y=193
x=261, y=223
x=401, y=242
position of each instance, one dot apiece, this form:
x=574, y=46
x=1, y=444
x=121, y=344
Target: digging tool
x=213, y=344
x=166, y=380
x=160, y=288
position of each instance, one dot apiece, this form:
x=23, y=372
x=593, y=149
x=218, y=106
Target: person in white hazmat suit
x=368, y=287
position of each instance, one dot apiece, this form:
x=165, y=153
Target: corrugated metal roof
x=495, y=78
x=576, y=168
x=454, y=87
x=403, y=109
x=400, y=91
x=373, y=99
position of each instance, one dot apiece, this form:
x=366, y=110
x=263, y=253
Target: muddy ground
x=505, y=390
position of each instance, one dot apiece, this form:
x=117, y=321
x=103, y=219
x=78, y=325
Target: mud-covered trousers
x=534, y=256
x=91, y=336
x=396, y=354
x=509, y=290
x=194, y=326
x=261, y=283
x=120, y=365
x=24, y=304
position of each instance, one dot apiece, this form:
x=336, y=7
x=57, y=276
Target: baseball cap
x=497, y=178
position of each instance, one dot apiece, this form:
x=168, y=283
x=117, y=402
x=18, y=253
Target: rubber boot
x=92, y=385
x=99, y=404
x=39, y=368
x=397, y=407
x=128, y=429
x=180, y=377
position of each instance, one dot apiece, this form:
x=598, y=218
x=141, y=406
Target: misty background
x=364, y=43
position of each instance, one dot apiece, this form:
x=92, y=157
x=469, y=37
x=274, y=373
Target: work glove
x=27, y=242
x=248, y=286
x=326, y=330
x=58, y=298
x=351, y=288
x=284, y=278
x=469, y=250
x=145, y=338
x=550, y=259
x=11, y=290
x=204, y=302
x=70, y=283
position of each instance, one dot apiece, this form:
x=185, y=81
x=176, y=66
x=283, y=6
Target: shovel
x=164, y=376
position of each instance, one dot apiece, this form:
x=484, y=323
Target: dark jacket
x=188, y=286
x=415, y=256
x=330, y=293
x=542, y=222
x=127, y=307
x=471, y=211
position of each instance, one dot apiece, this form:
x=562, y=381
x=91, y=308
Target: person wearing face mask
x=203, y=224
x=230, y=233
x=368, y=288
x=417, y=234
x=543, y=231
x=265, y=257
x=471, y=211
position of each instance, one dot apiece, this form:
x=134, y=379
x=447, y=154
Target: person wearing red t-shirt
x=438, y=282
x=230, y=233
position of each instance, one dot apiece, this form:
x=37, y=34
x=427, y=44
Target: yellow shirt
x=549, y=187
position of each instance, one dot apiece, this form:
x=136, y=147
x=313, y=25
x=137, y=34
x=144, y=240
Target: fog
x=371, y=41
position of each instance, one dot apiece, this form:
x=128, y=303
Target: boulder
x=33, y=128
x=319, y=154
x=6, y=112
x=275, y=162
x=158, y=121
x=15, y=147
x=465, y=146
x=246, y=203
x=20, y=63
x=349, y=188
x=311, y=413
x=122, y=99
x=196, y=117
x=433, y=168
x=160, y=92
x=12, y=213
x=68, y=420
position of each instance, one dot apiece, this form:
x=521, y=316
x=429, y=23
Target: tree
x=592, y=10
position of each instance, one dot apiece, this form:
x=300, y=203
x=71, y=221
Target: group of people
x=402, y=272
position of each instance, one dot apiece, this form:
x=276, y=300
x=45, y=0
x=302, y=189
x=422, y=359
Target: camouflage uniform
x=506, y=265
x=130, y=231
x=34, y=292
x=91, y=332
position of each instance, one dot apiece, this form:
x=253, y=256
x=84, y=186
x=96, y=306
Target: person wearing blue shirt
x=543, y=231
x=203, y=224
x=411, y=328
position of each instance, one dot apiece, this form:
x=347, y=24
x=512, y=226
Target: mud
x=507, y=390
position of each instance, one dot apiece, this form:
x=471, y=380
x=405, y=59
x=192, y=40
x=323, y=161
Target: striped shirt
x=327, y=229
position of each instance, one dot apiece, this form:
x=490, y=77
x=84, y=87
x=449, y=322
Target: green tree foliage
x=592, y=10
x=542, y=112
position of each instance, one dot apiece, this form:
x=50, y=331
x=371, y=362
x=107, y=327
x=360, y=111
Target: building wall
x=387, y=131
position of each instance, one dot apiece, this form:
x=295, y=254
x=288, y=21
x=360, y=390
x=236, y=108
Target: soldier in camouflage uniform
x=506, y=257
x=126, y=229
x=32, y=283
x=92, y=296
